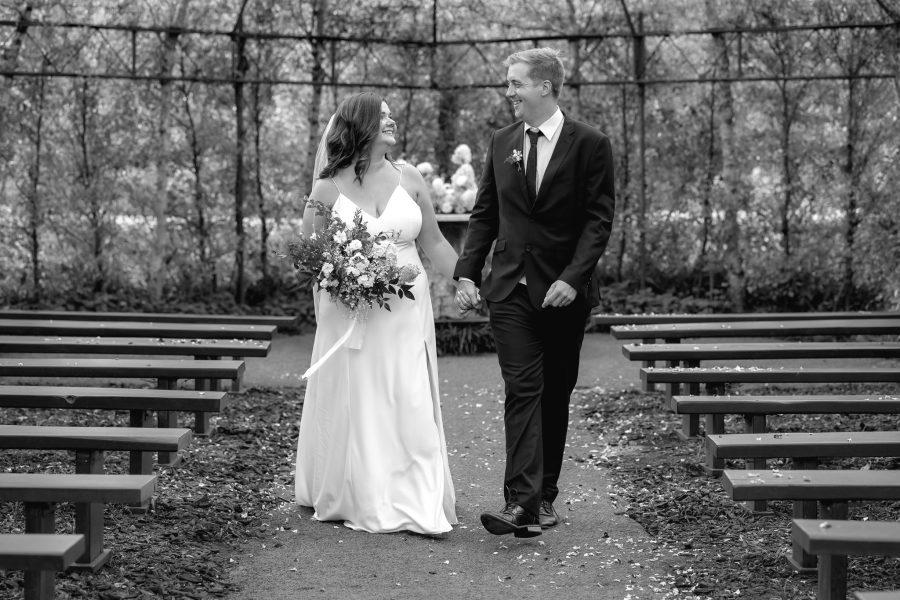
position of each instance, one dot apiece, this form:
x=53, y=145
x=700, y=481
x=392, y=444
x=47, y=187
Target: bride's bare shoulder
x=411, y=179
x=325, y=191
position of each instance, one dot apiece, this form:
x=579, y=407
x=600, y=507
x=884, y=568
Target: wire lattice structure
x=130, y=52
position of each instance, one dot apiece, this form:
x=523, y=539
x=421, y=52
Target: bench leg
x=715, y=424
x=690, y=424
x=238, y=381
x=756, y=424
x=800, y=559
x=140, y=463
x=167, y=418
x=690, y=427
x=672, y=389
x=201, y=419
x=832, y=568
x=832, y=577
x=40, y=585
x=89, y=516
x=715, y=389
x=648, y=387
x=40, y=518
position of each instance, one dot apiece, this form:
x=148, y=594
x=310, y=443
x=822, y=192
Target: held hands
x=560, y=294
x=467, y=296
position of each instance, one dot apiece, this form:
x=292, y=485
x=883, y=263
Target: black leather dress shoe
x=512, y=519
x=548, y=515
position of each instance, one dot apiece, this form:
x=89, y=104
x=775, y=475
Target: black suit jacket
x=561, y=236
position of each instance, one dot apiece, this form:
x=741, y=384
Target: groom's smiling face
x=525, y=94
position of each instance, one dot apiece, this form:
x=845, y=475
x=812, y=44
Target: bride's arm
x=325, y=192
x=432, y=241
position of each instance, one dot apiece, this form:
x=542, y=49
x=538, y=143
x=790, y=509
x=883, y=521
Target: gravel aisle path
x=595, y=554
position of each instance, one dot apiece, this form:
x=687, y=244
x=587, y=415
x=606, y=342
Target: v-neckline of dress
x=387, y=205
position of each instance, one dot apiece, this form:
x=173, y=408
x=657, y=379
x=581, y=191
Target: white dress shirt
x=551, y=129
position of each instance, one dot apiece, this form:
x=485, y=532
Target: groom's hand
x=560, y=294
x=467, y=296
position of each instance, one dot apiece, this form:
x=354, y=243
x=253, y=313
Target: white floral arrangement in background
x=458, y=194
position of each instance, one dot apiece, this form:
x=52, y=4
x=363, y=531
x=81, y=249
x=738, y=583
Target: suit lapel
x=515, y=141
x=563, y=145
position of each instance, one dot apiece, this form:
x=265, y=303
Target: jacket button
x=527, y=248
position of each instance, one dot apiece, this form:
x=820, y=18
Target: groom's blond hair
x=544, y=64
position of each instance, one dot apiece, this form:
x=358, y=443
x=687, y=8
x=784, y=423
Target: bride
x=371, y=451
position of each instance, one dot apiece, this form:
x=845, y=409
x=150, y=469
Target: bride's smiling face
x=388, y=126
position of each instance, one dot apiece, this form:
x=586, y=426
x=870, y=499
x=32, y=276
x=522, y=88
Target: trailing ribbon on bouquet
x=352, y=339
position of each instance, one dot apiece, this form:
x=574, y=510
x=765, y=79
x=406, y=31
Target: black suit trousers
x=538, y=350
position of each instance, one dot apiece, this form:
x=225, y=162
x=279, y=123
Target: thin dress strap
x=336, y=186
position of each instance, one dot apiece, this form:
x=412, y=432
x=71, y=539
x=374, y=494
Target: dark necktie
x=531, y=164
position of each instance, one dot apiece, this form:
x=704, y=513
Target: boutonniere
x=515, y=159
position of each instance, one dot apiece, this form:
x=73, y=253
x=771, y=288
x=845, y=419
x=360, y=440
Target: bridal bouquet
x=357, y=269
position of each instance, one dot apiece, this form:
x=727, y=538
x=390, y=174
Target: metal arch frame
x=126, y=53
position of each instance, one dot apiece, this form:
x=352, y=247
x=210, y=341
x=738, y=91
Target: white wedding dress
x=371, y=451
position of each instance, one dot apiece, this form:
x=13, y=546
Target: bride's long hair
x=356, y=126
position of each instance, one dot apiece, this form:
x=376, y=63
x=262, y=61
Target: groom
x=545, y=202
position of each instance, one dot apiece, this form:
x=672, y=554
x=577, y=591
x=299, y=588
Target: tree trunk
x=88, y=188
x=708, y=191
x=853, y=179
x=625, y=195
x=320, y=12
x=447, y=110
x=262, y=96
x=9, y=57
x=201, y=226
x=162, y=159
x=731, y=193
x=240, y=70
x=574, y=76
x=34, y=198
x=404, y=139
x=260, y=197
x=787, y=174
x=448, y=115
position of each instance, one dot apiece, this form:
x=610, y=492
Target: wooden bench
x=804, y=449
x=274, y=320
x=831, y=490
x=139, y=402
x=135, y=329
x=755, y=409
x=606, y=320
x=716, y=378
x=167, y=373
x=90, y=443
x=197, y=347
x=40, y=555
x=692, y=354
x=833, y=541
x=673, y=333
x=883, y=595
x=41, y=492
